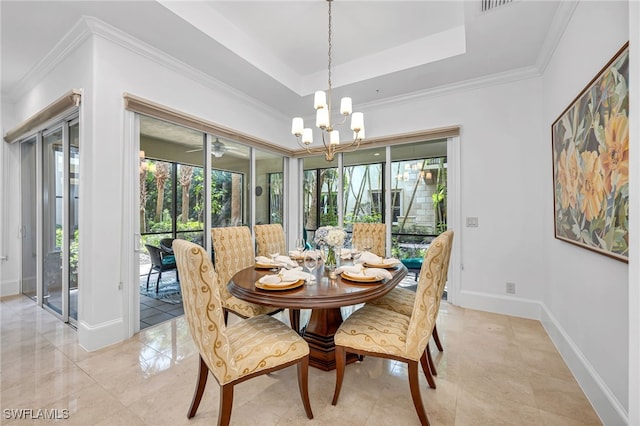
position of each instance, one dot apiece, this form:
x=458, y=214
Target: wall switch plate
x=511, y=288
x=472, y=222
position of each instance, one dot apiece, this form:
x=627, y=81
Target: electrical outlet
x=472, y=222
x=511, y=288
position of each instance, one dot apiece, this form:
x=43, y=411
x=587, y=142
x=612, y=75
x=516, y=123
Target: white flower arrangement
x=330, y=235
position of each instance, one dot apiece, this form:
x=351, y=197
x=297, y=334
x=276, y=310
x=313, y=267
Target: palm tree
x=184, y=178
x=163, y=171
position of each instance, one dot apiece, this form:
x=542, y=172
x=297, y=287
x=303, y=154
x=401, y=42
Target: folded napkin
x=288, y=276
x=346, y=253
x=368, y=257
x=358, y=270
x=280, y=261
x=300, y=254
x=373, y=259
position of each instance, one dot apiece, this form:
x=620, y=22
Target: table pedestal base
x=319, y=333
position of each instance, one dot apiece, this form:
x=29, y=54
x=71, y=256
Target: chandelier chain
x=329, y=53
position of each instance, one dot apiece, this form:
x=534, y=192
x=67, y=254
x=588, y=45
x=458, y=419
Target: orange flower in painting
x=592, y=188
x=615, y=159
x=568, y=176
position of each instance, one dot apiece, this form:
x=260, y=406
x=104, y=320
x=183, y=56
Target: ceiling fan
x=217, y=148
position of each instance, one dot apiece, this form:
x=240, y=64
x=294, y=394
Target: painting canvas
x=591, y=163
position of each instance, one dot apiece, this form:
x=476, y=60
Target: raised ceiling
x=276, y=51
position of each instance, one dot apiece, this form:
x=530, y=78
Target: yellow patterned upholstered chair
x=269, y=234
x=249, y=348
x=401, y=300
x=376, y=232
x=384, y=333
x=232, y=252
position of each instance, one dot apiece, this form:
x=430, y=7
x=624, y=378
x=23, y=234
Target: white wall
x=9, y=160
x=500, y=184
x=585, y=293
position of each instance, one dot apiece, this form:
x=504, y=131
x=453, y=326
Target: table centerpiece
x=330, y=238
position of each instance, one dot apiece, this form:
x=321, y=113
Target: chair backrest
x=377, y=232
x=232, y=252
x=428, y=294
x=154, y=253
x=165, y=244
x=203, y=309
x=446, y=262
x=269, y=234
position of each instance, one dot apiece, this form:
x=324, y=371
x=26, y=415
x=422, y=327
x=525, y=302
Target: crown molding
x=556, y=30
x=77, y=35
x=123, y=39
x=89, y=26
x=460, y=86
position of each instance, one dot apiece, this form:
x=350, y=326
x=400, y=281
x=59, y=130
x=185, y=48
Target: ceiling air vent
x=492, y=4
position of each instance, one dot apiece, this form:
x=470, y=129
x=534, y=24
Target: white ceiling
x=276, y=51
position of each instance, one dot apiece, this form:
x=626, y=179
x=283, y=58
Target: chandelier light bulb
x=357, y=121
x=345, y=106
x=307, y=136
x=320, y=100
x=297, y=126
x=334, y=137
x=322, y=118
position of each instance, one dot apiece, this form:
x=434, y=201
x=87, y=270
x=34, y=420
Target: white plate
x=283, y=285
x=361, y=278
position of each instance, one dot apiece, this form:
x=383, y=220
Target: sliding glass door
x=60, y=184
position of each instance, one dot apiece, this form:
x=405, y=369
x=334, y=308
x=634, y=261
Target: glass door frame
x=60, y=124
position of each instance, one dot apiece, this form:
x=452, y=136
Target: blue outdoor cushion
x=168, y=260
x=412, y=262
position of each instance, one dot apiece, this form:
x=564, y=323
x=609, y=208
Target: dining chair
x=269, y=234
x=383, y=333
x=160, y=262
x=232, y=252
x=401, y=300
x=233, y=354
x=376, y=232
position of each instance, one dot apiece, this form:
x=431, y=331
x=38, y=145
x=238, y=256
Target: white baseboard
x=9, y=288
x=604, y=402
x=607, y=406
x=506, y=305
x=94, y=337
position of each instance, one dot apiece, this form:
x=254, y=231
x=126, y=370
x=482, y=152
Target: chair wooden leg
x=303, y=384
x=414, y=385
x=226, y=403
x=427, y=370
x=158, y=281
x=432, y=365
x=341, y=360
x=294, y=319
x=203, y=374
x=437, y=338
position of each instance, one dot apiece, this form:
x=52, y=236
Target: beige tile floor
x=495, y=370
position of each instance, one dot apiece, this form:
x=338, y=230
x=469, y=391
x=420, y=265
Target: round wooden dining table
x=325, y=297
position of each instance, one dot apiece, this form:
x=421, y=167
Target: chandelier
x=330, y=136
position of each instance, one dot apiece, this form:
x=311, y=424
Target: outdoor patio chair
x=160, y=262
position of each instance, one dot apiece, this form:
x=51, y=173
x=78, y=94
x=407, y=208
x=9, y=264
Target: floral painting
x=591, y=163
